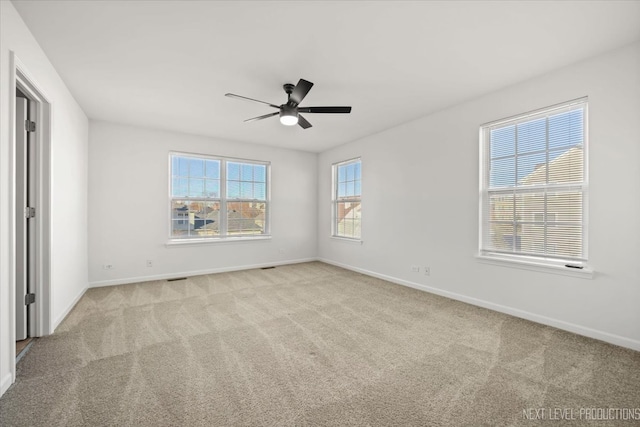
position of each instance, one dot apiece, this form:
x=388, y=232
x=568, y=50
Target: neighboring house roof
x=567, y=167
x=241, y=216
x=252, y=211
x=237, y=222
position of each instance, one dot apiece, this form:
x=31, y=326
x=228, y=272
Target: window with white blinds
x=534, y=185
x=216, y=198
x=347, y=193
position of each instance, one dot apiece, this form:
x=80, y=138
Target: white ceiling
x=167, y=64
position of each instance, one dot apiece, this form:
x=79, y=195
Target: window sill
x=192, y=242
x=584, y=273
x=348, y=240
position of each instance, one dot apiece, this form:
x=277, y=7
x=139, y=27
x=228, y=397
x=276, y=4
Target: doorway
x=26, y=242
x=29, y=234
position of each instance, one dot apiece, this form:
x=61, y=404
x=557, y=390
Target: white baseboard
x=5, y=383
x=560, y=324
x=64, y=314
x=138, y=279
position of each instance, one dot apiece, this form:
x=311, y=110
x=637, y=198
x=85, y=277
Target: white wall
x=69, y=145
x=420, y=203
x=129, y=211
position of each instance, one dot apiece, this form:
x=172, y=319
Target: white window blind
x=533, y=185
x=347, y=192
x=215, y=197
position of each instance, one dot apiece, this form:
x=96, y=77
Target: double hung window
x=347, y=193
x=534, y=186
x=217, y=197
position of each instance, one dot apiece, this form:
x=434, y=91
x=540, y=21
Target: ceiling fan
x=290, y=111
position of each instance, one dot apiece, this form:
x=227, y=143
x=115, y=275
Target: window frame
x=562, y=264
x=335, y=200
x=223, y=200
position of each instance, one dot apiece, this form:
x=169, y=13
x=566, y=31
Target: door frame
x=25, y=228
x=21, y=79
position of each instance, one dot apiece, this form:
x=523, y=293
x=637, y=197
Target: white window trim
x=216, y=240
x=350, y=240
x=189, y=241
x=334, y=201
x=535, y=265
x=542, y=264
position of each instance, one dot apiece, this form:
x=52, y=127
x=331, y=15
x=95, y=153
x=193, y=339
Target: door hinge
x=29, y=212
x=29, y=299
x=29, y=126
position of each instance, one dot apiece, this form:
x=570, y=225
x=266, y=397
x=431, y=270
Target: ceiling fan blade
x=304, y=124
x=324, y=109
x=266, y=116
x=300, y=91
x=232, y=95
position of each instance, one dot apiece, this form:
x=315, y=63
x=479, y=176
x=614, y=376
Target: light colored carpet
x=306, y=344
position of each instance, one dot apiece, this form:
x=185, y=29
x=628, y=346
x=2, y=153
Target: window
x=347, y=209
x=217, y=198
x=534, y=186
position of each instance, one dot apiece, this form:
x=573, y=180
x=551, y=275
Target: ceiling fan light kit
x=288, y=115
x=290, y=111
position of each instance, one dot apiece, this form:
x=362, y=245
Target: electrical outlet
x=427, y=271
x=149, y=263
x=415, y=268
x=108, y=267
